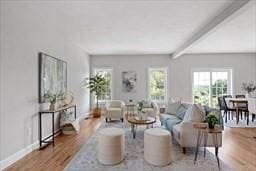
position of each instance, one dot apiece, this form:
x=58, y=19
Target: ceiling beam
x=210, y=26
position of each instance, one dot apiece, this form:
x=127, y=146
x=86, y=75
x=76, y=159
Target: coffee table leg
x=133, y=131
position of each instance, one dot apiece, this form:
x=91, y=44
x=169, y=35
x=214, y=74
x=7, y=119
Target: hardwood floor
x=238, y=151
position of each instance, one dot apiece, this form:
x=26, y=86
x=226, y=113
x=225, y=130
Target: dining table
x=236, y=102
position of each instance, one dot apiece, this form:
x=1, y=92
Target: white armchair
x=152, y=110
x=252, y=108
x=114, y=110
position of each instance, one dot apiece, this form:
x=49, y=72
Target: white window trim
x=94, y=70
x=165, y=69
x=225, y=69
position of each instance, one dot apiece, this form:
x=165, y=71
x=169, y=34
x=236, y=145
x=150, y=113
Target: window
x=209, y=84
x=107, y=73
x=157, y=84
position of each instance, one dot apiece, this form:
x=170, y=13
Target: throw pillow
x=172, y=107
x=181, y=111
x=195, y=113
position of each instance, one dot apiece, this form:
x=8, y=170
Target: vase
x=248, y=95
x=211, y=126
x=52, y=106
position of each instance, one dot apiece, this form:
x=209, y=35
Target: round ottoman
x=110, y=146
x=157, y=146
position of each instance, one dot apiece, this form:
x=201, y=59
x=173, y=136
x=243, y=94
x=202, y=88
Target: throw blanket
x=68, y=123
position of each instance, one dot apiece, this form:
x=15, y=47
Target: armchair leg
x=122, y=119
x=106, y=119
x=184, y=150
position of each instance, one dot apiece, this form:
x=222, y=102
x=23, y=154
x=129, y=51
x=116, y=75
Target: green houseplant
x=97, y=85
x=212, y=120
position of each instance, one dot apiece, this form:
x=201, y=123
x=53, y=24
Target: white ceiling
x=236, y=35
x=142, y=27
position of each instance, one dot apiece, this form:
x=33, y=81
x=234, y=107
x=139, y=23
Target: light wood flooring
x=238, y=150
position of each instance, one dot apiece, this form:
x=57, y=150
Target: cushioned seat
x=160, y=139
x=164, y=116
x=114, y=110
x=170, y=122
x=110, y=146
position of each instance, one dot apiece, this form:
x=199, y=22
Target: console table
x=52, y=112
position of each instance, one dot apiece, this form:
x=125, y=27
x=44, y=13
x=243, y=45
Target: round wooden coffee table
x=134, y=121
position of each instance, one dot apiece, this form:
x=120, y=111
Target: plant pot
x=211, y=126
x=96, y=112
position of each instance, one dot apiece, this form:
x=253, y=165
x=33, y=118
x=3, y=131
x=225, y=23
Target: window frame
x=165, y=69
x=211, y=70
x=110, y=70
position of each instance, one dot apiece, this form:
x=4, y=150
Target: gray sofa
x=184, y=132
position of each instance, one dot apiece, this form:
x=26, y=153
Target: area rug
x=86, y=160
x=241, y=124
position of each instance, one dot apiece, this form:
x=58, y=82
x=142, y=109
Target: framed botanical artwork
x=129, y=81
x=52, y=76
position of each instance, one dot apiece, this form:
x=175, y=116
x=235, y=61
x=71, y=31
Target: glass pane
x=219, y=86
x=157, y=84
x=107, y=75
x=201, y=86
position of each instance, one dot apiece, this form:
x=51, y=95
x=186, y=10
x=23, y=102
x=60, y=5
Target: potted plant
x=97, y=86
x=249, y=88
x=53, y=98
x=142, y=114
x=211, y=120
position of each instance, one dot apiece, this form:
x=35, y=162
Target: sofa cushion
x=170, y=122
x=115, y=104
x=114, y=109
x=163, y=117
x=195, y=113
x=181, y=110
x=172, y=107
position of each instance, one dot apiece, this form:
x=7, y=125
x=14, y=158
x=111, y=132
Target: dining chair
x=243, y=107
x=251, y=108
x=229, y=108
x=222, y=107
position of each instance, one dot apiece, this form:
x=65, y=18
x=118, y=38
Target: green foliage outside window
x=157, y=85
x=201, y=93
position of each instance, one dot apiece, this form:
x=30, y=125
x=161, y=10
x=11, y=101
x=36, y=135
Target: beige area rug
x=85, y=159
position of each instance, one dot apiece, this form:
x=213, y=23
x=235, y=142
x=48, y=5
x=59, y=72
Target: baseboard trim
x=18, y=155
x=23, y=152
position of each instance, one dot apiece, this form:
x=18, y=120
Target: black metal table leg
x=40, y=129
x=53, y=129
x=75, y=111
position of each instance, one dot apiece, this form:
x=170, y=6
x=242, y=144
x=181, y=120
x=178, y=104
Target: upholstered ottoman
x=157, y=146
x=110, y=146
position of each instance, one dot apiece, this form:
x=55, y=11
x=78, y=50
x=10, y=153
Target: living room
x=166, y=53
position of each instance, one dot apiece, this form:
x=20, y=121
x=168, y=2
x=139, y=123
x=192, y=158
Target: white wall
x=179, y=71
x=23, y=34
x=138, y=63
